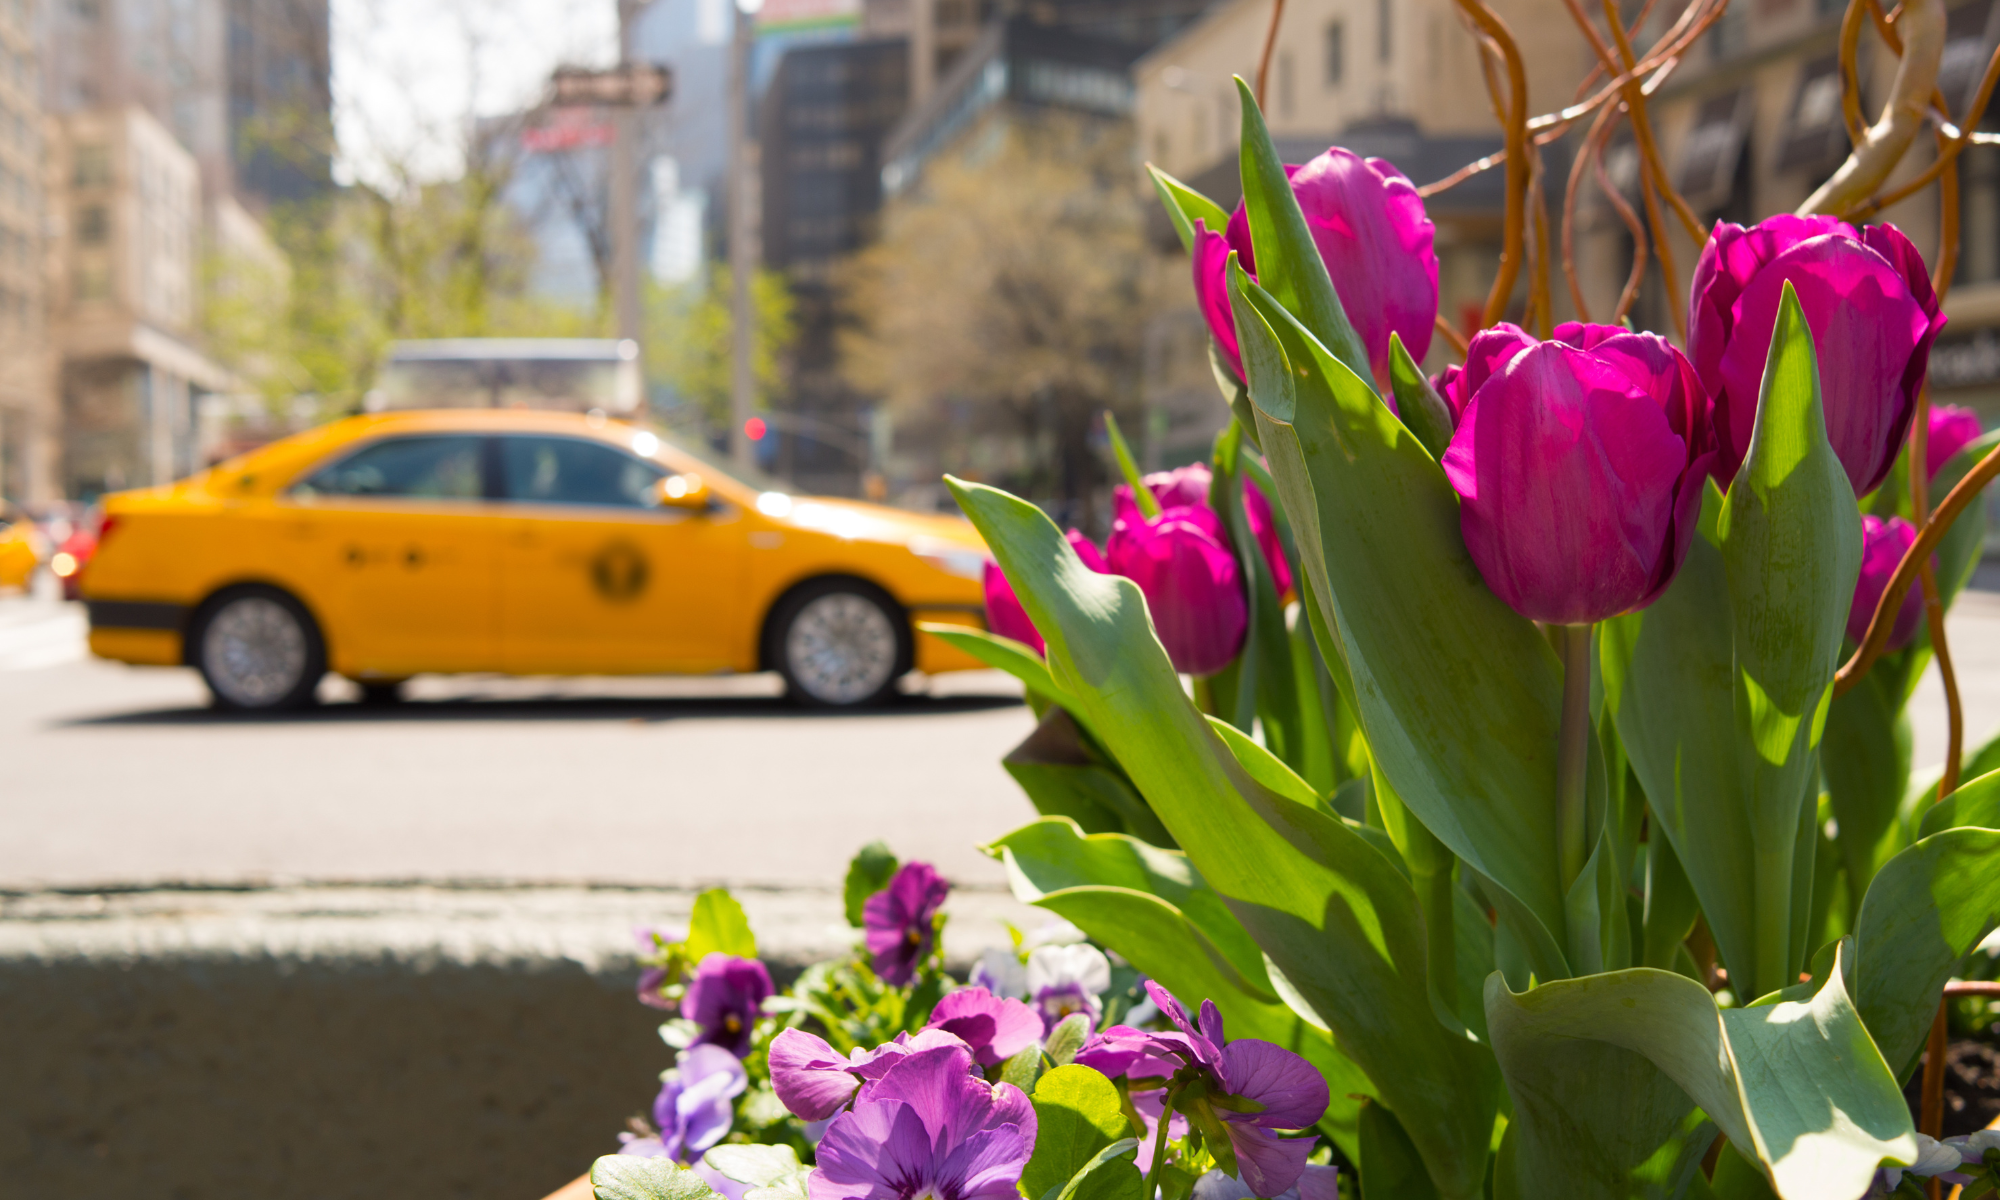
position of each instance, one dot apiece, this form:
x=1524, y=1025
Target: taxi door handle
x=524, y=537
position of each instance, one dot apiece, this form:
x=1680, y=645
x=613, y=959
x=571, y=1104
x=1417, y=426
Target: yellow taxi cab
x=523, y=542
x=20, y=553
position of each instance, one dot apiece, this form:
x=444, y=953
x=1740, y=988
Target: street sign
x=566, y=129
x=628, y=85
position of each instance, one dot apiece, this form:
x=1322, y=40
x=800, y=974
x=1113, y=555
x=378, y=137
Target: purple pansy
x=1289, y=1092
x=725, y=999
x=901, y=922
x=813, y=1081
x=693, y=1110
x=995, y=1027
x=927, y=1129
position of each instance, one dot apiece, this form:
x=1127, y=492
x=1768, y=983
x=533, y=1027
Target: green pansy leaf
x=867, y=873
x=1077, y=1114
x=631, y=1177
x=719, y=926
x=774, y=1172
x=1109, y=1175
x=1067, y=1038
x=1327, y=907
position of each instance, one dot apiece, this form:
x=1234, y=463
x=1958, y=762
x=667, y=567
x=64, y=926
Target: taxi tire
x=377, y=693
x=303, y=693
x=788, y=609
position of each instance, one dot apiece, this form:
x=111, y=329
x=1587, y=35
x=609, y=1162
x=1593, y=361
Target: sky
x=408, y=76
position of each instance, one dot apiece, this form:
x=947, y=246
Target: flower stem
x=1147, y=1192
x=1573, y=753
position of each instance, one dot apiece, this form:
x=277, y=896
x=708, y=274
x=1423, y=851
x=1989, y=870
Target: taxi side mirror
x=686, y=490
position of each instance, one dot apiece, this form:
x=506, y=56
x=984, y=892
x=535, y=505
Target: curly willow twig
x=1515, y=122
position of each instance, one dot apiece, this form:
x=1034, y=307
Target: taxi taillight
x=104, y=527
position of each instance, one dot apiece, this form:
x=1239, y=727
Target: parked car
x=516, y=541
x=22, y=549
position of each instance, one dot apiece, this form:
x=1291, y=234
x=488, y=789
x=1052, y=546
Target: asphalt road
x=118, y=775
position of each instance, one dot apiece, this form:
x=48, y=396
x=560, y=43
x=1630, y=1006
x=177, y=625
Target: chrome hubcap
x=842, y=648
x=255, y=651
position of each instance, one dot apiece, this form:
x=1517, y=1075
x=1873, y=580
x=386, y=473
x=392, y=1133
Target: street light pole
x=624, y=199
x=742, y=252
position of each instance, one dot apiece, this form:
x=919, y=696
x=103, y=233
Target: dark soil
x=1971, y=1086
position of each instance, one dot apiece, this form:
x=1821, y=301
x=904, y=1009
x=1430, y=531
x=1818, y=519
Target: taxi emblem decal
x=619, y=572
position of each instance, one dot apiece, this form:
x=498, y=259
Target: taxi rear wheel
x=258, y=650
x=840, y=643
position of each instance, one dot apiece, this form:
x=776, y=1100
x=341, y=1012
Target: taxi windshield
x=699, y=450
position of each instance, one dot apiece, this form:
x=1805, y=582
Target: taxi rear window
x=428, y=466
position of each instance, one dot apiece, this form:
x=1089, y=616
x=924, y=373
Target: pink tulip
x=1883, y=545
x=1952, y=429
x=1369, y=224
x=1868, y=300
x=1182, y=562
x=1004, y=614
x=1579, y=463
x=1189, y=486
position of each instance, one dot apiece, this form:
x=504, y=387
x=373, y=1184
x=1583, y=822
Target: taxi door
x=402, y=541
x=596, y=578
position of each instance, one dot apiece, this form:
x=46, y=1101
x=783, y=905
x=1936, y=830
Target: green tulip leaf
x=1390, y=1164
x=1670, y=906
x=1790, y=534
x=1268, y=691
x=1974, y=805
x=1337, y=917
x=631, y=1177
x=1289, y=265
x=1865, y=761
x=1927, y=907
x=1459, y=696
x=1000, y=653
x=1153, y=908
x=1185, y=206
x=1422, y=410
x=1796, y=1084
x=1958, y=554
x=1064, y=776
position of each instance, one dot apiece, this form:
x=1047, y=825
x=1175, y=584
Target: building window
x=1336, y=53
x=93, y=166
x=1384, y=28
x=93, y=225
x=93, y=283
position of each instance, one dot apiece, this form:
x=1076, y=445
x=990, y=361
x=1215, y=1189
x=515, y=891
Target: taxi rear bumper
x=148, y=632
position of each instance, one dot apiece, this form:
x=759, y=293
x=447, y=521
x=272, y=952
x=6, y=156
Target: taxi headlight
x=63, y=564
x=951, y=558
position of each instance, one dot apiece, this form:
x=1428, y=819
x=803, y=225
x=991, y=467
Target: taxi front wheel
x=258, y=649
x=839, y=643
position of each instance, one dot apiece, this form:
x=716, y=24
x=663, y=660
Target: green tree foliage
x=688, y=345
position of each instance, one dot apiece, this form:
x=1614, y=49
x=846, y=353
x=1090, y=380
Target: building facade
x=28, y=418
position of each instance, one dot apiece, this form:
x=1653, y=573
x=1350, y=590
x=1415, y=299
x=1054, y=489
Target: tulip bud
x=1375, y=238
x=1579, y=463
x=1883, y=545
x=1004, y=614
x=1189, y=486
x=1952, y=429
x=1182, y=562
x=1867, y=299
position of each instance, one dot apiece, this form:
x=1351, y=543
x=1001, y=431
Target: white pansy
x=999, y=971
x=1055, y=933
x=1082, y=965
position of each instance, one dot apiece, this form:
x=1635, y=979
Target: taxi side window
x=437, y=467
x=556, y=470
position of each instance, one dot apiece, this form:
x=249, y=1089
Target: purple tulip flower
x=725, y=998
x=1189, y=486
x=814, y=1082
x=996, y=1027
x=693, y=1110
x=1579, y=463
x=1868, y=300
x=1883, y=545
x=900, y=922
x=1952, y=429
x=1004, y=613
x=1369, y=224
x=1182, y=562
x=927, y=1129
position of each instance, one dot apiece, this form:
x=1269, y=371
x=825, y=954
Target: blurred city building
x=173, y=125
x=27, y=383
